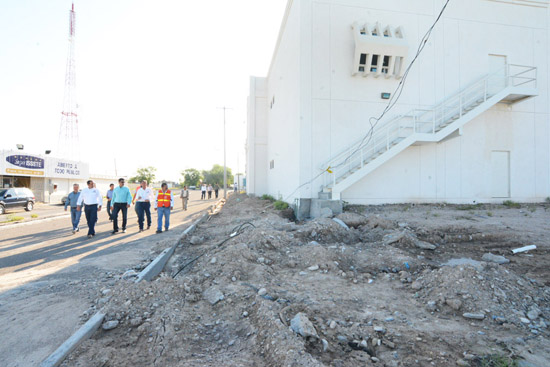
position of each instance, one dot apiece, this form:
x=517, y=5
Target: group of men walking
x=119, y=200
x=209, y=188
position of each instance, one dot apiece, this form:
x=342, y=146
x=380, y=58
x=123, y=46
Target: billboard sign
x=27, y=165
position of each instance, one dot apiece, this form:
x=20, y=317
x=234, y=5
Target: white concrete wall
x=320, y=108
x=284, y=116
x=457, y=54
x=256, y=154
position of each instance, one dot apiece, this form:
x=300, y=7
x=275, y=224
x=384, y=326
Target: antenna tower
x=68, y=146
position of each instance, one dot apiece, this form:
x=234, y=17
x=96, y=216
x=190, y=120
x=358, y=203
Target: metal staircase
x=508, y=85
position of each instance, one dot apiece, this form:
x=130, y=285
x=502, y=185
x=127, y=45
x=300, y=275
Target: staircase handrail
x=355, y=148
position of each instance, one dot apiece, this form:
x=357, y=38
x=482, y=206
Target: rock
x=213, y=261
x=462, y=363
x=302, y=273
x=342, y=339
x=109, y=325
x=474, y=316
x=489, y=257
x=431, y=306
x=325, y=345
x=136, y=321
x=129, y=274
x=313, y=268
x=231, y=342
x=524, y=320
x=424, y=245
x=417, y=285
x=288, y=213
x=393, y=237
x=106, y=292
x=332, y=324
x=341, y=223
x=454, y=303
x=388, y=344
x=533, y=313
x=301, y=325
x=213, y=295
x=196, y=240
x=352, y=219
x=380, y=329
x=262, y=292
x=313, y=243
x=389, y=319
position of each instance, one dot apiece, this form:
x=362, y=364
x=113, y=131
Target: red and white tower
x=68, y=145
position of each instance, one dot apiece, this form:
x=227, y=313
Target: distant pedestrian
x=122, y=198
x=164, y=203
x=72, y=201
x=144, y=196
x=92, y=200
x=235, y=187
x=203, y=191
x=184, y=195
x=216, y=190
x=210, y=191
x=109, y=197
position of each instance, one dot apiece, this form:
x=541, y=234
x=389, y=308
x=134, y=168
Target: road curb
x=156, y=266
x=33, y=221
x=70, y=344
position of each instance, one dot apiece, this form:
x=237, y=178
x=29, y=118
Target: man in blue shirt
x=122, y=198
x=75, y=214
x=109, y=197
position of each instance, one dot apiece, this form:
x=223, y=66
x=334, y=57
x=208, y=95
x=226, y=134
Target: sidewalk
x=41, y=211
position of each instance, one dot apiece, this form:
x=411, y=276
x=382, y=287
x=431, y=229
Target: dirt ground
x=403, y=286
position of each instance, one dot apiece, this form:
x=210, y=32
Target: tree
x=191, y=177
x=145, y=173
x=215, y=175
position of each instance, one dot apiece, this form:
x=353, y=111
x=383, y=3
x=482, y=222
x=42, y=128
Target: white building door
x=500, y=174
x=497, y=67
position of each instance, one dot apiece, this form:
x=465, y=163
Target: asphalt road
x=49, y=276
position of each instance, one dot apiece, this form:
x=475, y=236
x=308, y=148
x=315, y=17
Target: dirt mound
x=231, y=294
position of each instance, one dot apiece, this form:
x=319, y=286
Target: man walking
x=72, y=201
x=216, y=190
x=203, y=191
x=144, y=196
x=109, y=197
x=184, y=197
x=164, y=203
x=210, y=192
x=122, y=198
x=92, y=200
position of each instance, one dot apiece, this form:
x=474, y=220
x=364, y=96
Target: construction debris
x=397, y=288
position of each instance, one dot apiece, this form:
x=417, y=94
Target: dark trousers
x=143, y=208
x=116, y=208
x=210, y=194
x=216, y=191
x=109, y=212
x=91, y=217
x=203, y=195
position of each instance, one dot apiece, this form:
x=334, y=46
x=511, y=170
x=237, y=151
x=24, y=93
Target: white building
x=49, y=178
x=472, y=122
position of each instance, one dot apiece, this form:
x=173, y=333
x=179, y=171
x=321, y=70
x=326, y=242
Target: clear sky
x=150, y=76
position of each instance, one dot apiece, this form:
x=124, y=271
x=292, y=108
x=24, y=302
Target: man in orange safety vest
x=164, y=203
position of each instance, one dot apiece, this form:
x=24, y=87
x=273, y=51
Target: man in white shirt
x=92, y=200
x=144, y=196
x=203, y=191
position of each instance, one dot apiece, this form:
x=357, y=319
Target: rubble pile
x=251, y=288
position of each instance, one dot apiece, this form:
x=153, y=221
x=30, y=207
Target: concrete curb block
x=155, y=267
x=70, y=344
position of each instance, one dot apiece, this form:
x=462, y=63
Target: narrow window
x=363, y=59
x=385, y=64
x=374, y=63
x=271, y=164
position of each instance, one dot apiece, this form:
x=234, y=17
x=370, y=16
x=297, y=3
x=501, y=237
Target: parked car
x=192, y=187
x=16, y=197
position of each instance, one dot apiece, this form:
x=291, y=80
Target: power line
x=391, y=103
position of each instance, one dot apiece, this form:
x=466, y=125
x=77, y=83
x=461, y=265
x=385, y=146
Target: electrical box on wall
x=385, y=95
x=379, y=51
